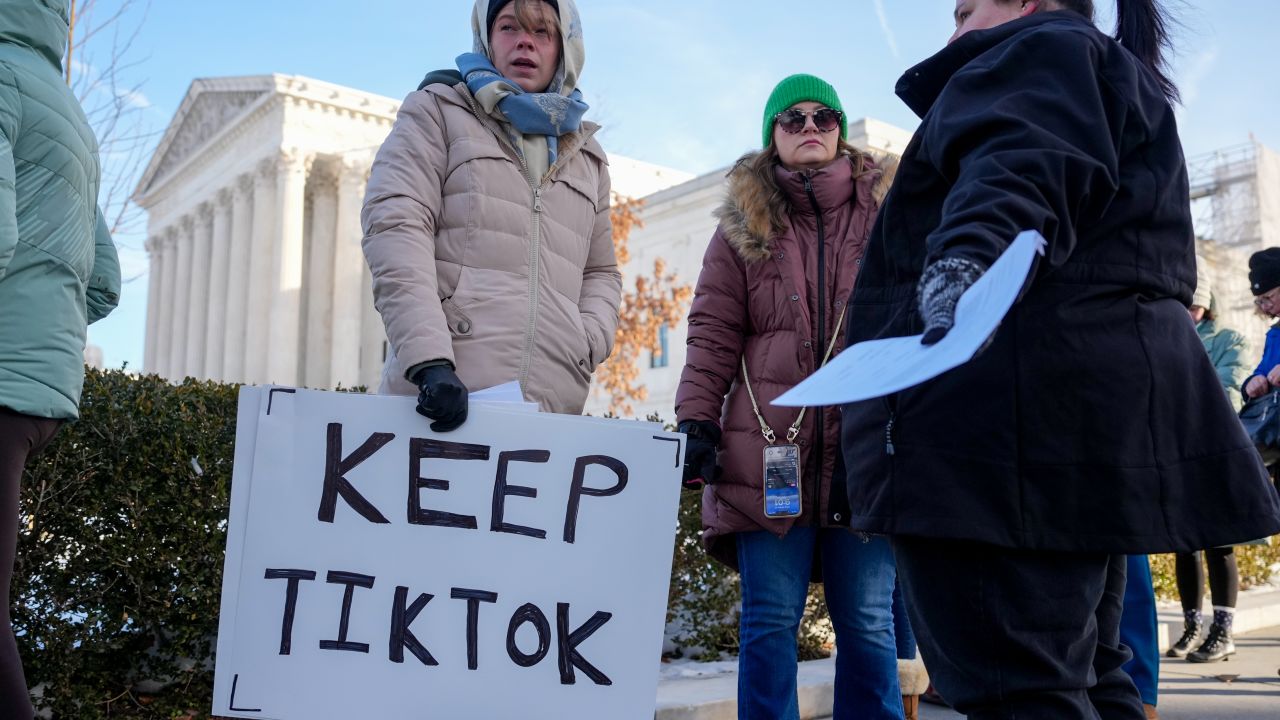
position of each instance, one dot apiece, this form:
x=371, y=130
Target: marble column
x=219, y=266
x=285, y=316
x=233, y=347
x=164, y=303
x=322, y=187
x=349, y=268
x=154, y=273
x=181, y=299
x=198, y=303
x=260, y=272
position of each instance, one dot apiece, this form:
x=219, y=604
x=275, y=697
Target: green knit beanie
x=801, y=88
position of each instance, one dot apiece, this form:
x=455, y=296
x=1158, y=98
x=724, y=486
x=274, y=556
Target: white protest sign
x=517, y=567
x=876, y=368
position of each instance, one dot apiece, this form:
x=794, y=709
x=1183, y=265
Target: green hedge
x=120, y=552
x=119, y=569
x=1258, y=566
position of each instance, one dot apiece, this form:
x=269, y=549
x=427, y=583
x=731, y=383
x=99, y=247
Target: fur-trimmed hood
x=749, y=204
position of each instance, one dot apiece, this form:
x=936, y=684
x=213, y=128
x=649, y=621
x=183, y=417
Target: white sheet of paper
x=878, y=367
x=508, y=392
x=526, y=407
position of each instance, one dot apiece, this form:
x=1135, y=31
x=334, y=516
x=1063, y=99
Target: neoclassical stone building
x=253, y=198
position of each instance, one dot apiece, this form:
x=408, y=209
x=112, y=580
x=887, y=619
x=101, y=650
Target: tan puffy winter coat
x=473, y=264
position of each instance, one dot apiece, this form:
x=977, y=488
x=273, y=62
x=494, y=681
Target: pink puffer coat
x=475, y=264
x=757, y=297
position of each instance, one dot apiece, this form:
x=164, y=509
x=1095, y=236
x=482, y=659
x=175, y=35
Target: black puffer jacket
x=1071, y=430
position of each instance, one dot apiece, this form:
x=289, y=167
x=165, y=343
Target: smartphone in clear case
x=782, y=481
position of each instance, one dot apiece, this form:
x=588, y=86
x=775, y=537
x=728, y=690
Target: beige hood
x=573, y=53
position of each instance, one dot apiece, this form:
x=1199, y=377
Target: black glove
x=703, y=439
x=940, y=289
x=441, y=397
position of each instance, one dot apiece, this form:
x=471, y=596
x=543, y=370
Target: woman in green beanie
x=767, y=313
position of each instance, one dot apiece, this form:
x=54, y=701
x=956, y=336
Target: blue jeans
x=902, y=633
x=1138, y=628
x=858, y=577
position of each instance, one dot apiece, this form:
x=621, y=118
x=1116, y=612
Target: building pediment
x=210, y=106
x=210, y=113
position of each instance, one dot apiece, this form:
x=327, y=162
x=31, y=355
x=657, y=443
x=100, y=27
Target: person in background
x=1227, y=349
x=486, y=222
x=1021, y=480
x=1138, y=632
x=58, y=270
x=767, y=312
x=1264, y=282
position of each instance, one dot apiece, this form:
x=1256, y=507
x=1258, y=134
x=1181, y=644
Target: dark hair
x=1142, y=27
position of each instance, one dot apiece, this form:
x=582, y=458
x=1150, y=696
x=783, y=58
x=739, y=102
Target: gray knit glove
x=940, y=289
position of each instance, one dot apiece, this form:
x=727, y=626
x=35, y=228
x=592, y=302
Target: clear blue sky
x=675, y=82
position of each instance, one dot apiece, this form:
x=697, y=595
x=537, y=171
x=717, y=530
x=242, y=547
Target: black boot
x=1192, y=623
x=1218, y=645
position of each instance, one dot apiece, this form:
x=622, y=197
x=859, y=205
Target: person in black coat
x=1013, y=485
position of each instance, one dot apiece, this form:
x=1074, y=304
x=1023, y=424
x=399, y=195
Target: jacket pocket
x=465, y=149
x=585, y=186
x=581, y=356
x=460, y=324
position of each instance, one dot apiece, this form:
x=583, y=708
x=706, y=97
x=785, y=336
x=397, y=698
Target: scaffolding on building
x=1233, y=196
x=1224, y=195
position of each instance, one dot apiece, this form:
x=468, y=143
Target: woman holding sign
x=766, y=313
x=1014, y=485
x=486, y=222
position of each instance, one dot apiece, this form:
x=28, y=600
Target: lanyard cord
x=793, y=431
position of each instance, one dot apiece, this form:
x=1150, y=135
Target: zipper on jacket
x=890, y=404
x=820, y=445
x=535, y=243
x=822, y=272
x=535, y=252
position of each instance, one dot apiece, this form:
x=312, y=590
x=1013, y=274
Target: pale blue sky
x=675, y=82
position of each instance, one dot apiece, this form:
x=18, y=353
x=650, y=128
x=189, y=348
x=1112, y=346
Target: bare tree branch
x=115, y=107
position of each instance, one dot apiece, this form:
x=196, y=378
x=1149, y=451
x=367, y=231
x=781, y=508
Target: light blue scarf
x=545, y=113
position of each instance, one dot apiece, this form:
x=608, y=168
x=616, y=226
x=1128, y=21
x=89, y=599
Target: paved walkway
x=1246, y=687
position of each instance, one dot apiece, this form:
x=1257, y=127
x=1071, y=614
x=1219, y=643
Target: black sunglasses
x=793, y=121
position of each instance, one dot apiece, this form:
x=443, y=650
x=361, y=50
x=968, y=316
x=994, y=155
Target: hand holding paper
x=940, y=288
x=879, y=367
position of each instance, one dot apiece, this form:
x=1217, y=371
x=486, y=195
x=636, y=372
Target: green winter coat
x=58, y=267
x=1227, y=349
